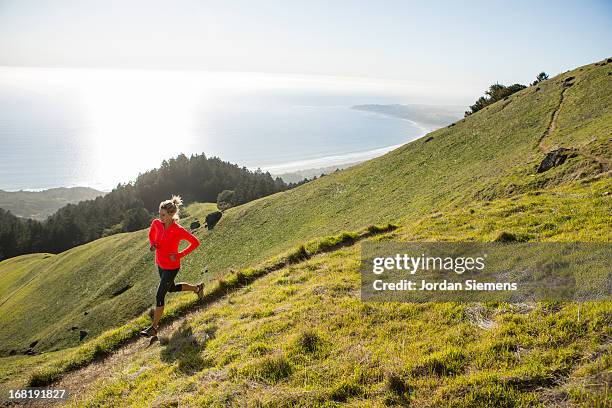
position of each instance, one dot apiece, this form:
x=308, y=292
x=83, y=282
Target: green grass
x=296, y=332
x=18, y=272
x=577, y=212
x=86, y=279
x=51, y=368
x=308, y=340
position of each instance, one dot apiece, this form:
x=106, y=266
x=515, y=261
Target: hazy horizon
x=101, y=127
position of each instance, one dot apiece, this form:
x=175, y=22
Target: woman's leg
x=166, y=284
x=187, y=287
x=181, y=286
x=159, y=311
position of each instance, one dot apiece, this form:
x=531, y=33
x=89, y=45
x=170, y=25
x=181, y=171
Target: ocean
x=97, y=127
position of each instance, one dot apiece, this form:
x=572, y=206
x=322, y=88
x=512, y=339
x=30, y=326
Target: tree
x=135, y=219
x=495, y=93
x=542, y=76
x=226, y=199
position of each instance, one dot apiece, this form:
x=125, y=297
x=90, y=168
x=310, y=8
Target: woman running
x=164, y=236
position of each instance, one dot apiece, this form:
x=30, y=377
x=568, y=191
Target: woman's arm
x=193, y=242
x=153, y=235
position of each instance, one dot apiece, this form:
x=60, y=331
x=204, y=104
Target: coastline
x=353, y=157
x=332, y=160
x=424, y=117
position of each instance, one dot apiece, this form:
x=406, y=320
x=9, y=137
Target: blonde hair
x=172, y=206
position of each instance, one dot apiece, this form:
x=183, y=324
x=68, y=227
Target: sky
x=475, y=42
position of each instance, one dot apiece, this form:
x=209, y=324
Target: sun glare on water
x=136, y=121
x=114, y=124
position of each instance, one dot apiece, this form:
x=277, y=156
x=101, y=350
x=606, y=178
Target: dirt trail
x=552, y=125
x=77, y=382
x=604, y=162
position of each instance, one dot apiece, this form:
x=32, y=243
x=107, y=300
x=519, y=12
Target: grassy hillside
x=472, y=181
x=91, y=287
x=300, y=336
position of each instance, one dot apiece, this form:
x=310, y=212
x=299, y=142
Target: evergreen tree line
x=132, y=206
x=497, y=92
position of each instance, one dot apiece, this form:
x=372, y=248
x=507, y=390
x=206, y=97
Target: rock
x=212, y=219
x=82, y=335
x=121, y=290
x=568, y=81
x=194, y=225
x=553, y=159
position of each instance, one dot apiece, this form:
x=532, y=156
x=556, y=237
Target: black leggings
x=166, y=284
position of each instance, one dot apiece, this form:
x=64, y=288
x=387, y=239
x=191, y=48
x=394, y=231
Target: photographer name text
x=423, y=285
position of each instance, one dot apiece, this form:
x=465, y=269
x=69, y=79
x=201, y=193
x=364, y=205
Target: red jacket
x=166, y=242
